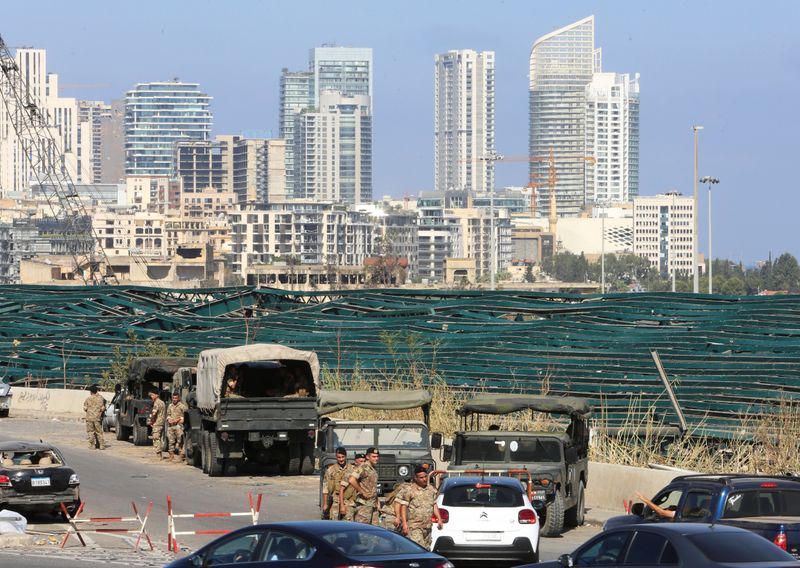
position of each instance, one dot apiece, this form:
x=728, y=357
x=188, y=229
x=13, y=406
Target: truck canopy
x=508, y=403
x=212, y=363
x=157, y=368
x=331, y=401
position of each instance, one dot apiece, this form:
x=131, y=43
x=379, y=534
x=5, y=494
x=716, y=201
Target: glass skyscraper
x=157, y=115
x=296, y=96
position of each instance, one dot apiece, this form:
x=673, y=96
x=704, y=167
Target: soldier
x=94, y=406
x=347, y=493
x=157, y=421
x=175, y=413
x=232, y=383
x=390, y=512
x=331, y=482
x=365, y=481
x=419, y=508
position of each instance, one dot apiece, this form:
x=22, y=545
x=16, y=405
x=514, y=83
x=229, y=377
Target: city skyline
x=690, y=58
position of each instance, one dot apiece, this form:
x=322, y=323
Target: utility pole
x=710, y=181
x=695, y=271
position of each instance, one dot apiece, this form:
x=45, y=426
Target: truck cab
x=554, y=460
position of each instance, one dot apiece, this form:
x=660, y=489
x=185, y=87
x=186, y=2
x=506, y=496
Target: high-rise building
x=464, y=120
x=157, y=115
x=93, y=113
x=296, y=96
x=333, y=150
x=612, y=138
x=112, y=145
x=663, y=229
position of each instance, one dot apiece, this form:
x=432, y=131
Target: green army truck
x=271, y=420
x=133, y=404
x=403, y=444
x=554, y=460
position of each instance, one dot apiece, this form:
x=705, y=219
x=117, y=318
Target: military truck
x=133, y=403
x=403, y=444
x=556, y=461
x=271, y=420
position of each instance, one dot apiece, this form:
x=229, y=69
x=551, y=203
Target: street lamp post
x=695, y=272
x=710, y=181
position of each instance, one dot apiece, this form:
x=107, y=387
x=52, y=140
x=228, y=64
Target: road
x=113, y=478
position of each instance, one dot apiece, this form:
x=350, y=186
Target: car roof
x=22, y=446
x=490, y=479
x=685, y=529
x=740, y=479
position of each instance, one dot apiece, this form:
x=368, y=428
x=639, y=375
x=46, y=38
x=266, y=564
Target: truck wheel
x=554, y=517
x=574, y=516
x=216, y=466
x=140, y=435
x=193, y=453
x=206, y=452
x=121, y=432
x=307, y=463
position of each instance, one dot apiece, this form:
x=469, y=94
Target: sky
x=730, y=66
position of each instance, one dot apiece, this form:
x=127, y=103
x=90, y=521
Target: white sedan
x=486, y=519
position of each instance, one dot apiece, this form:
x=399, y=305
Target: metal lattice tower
x=35, y=130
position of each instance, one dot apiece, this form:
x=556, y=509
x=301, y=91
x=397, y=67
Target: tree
x=786, y=273
x=528, y=277
x=733, y=286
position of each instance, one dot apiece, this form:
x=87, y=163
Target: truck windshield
x=353, y=437
x=535, y=450
x=483, y=450
x=402, y=436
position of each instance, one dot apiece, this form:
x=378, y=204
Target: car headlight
x=73, y=479
x=403, y=470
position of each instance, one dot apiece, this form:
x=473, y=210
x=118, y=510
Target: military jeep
x=403, y=444
x=554, y=462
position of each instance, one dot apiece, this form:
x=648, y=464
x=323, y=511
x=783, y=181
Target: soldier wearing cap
x=347, y=493
x=331, y=482
x=365, y=481
x=389, y=514
x=418, y=509
x=94, y=406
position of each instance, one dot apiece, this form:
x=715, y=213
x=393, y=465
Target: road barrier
x=172, y=533
x=75, y=520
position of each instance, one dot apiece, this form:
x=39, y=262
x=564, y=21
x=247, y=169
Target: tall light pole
x=710, y=181
x=695, y=272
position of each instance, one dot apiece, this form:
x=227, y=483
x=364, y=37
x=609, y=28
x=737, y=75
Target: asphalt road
x=113, y=478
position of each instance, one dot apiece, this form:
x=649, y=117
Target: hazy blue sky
x=731, y=66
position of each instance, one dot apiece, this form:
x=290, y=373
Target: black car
x=35, y=477
x=675, y=544
x=320, y=544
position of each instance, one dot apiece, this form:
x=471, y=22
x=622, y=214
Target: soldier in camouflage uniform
x=331, y=482
x=419, y=508
x=157, y=416
x=175, y=412
x=390, y=512
x=347, y=493
x=94, y=406
x=365, y=481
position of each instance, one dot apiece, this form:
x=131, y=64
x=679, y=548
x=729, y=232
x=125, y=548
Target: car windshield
x=369, y=542
x=483, y=495
x=402, y=436
x=739, y=547
x=30, y=458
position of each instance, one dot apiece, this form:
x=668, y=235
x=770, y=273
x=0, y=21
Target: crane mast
x=34, y=130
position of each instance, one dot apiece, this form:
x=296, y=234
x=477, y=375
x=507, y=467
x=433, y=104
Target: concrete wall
x=55, y=401
x=610, y=484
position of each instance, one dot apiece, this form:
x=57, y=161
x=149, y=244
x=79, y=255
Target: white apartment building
x=73, y=138
x=464, y=120
x=612, y=138
x=333, y=150
x=127, y=232
x=663, y=232
x=312, y=232
x=147, y=192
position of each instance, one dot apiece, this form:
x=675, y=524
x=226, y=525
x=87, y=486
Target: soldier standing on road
x=331, y=482
x=390, y=512
x=157, y=416
x=175, y=413
x=419, y=508
x=347, y=493
x=94, y=406
x=365, y=481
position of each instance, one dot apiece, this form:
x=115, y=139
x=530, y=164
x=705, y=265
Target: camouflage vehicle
x=555, y=461
x=133, y=404
x=403, y=444
x=271, y=420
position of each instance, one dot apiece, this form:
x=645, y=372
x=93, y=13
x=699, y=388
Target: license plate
x=40, y=482
x=483, y=536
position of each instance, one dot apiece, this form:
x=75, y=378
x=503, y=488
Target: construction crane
x=33, y=127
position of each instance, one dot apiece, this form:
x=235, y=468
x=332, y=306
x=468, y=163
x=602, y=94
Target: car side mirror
x=637, y=509
x=436, y=440
x=565, y=560
x=538, y=505
x=198, y=561
x=447, y=453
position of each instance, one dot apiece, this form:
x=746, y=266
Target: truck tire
x=205, y=451
x=307, y=463
x=121, y=432
x=575, y=516
x=140, y=435
x=554, y=517
x=216, y=466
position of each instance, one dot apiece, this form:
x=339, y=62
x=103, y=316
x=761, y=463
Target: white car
x=486, y=519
